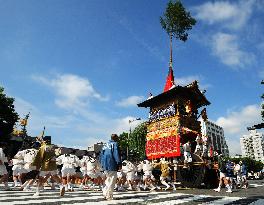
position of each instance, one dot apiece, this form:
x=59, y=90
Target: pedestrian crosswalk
x=78, y=197
x=255, y=185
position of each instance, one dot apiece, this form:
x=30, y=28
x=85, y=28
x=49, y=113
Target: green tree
x=123, y=144
x=251, y=164
x=137, y=143
x=8, y=115
x=177, y=21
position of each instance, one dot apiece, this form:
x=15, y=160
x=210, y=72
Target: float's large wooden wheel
x=193, y=176
x=211, y=178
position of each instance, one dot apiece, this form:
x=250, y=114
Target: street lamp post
x=129, y=122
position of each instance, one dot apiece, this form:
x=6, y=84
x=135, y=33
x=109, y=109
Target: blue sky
x=80, y=67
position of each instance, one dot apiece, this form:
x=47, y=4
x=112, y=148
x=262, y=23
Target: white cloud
x=233, y=15
x=85, y=124
x=216, y=11
x=235, y=124
x=125, y=124
x=226, y=47
x=234, y=147
x=225, y=41
x=130, y=101
x=186, y=80
x=71, y=90
x=94, y=132
x=183, y=81
x=38, y=118
x=72, y=131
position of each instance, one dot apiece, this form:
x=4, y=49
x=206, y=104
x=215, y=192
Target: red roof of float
x=169, y=81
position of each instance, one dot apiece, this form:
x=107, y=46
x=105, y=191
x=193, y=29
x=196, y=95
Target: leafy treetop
x=177, y=21
x=8, y=115
x=132, y=146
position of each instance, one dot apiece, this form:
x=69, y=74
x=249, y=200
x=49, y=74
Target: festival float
x=172, y=124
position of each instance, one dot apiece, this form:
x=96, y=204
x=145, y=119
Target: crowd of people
x=41, y=165
x=231, y=175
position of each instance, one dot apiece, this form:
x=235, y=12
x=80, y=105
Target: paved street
x=253, y=195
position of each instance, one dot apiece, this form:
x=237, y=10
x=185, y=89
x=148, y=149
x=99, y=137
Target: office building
x=216, y=137
x=252, y=145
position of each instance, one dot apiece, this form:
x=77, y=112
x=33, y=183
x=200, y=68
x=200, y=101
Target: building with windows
x=252, y=145
x=96, y=148
x=216, y=136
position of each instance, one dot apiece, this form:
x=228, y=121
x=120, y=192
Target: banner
x=163, y=147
